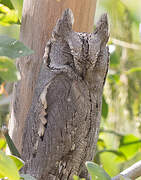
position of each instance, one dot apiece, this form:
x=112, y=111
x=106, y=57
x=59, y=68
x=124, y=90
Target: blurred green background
x=119, y=144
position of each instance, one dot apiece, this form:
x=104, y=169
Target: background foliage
x=119, y=142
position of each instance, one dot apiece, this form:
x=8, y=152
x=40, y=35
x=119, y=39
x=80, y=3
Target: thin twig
x=125, y=44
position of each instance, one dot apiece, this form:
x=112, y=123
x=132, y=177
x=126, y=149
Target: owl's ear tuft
x=102, y=28
x=64, y=24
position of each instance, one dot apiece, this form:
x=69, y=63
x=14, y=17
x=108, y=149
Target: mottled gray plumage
x=63, y=122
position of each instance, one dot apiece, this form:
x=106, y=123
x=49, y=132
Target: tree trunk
x=62, y=125
x=56, y=113
x=39, y=18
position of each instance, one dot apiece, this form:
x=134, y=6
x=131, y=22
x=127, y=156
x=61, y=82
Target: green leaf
x=129, y=145
x=18, y=5
x=7, y=69
x=8, y=167
x=1, y=176
x=104, y=108
x=27, y=177
x=10, y=142
x=8, y=16
x=77, y=178
x=120, y=155
x=101, y=143
x=7, y=3
x=19, y=162
x=114, y=78
x=2, y=143
x=96, y=172
x=13, y=48
x=132, y=70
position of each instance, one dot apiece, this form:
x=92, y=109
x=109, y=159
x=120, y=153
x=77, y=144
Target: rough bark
x=38, y=20
x=62, y=125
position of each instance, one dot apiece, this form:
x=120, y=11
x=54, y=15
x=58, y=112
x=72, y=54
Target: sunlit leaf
x=8, y=16
x=13, y=48
x=1, y=176
x=8, y=167
x=132, y=70
x=129, y=145
x=119, y=155
x=2, y=143
x=96, y=172
x=101, y=143
x=104, y=108
x=27, y=177
x=77, y=178
x=18, y=4
x=19, y=162
x=7, y=3
x=7, y=69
